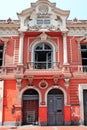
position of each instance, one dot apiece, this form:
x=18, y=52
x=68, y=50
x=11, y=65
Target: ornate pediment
x=43, y=16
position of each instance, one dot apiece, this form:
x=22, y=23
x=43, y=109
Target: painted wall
x=71, y=108
x=11, y=102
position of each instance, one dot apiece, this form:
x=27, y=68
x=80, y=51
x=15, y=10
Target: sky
x=10, y=8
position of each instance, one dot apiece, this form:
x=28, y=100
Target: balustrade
x=42, y=66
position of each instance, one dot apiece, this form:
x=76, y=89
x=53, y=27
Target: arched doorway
x=55, y=104
x=30, y=107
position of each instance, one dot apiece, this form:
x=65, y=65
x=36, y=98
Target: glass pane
x=46, y=21
x=84, y=62
x=47, y=47
x=84, y=46
x=1, y=55
x=39, y=21
x=39, y=47
x=43, y=56
x=84, y=54
x=1, y=47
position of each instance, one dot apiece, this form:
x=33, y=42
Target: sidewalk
x=43, y=127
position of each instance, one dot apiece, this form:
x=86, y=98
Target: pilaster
x=65, y=56
x=20, y=62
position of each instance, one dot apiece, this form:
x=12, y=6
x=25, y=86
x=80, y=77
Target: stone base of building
x=67, y=123
x=11, y=124
x=43, y=123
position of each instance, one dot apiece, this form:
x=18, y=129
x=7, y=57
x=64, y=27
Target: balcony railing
x=11, y=69
x=78, y=68
x=42, y=65
x=84, y=68
x=53, y=65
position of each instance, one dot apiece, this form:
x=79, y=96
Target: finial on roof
x=9, y=20
x=75, y=20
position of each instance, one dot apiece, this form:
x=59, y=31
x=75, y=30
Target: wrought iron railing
x=42, y=65
x=53, y=65
x=84, y=68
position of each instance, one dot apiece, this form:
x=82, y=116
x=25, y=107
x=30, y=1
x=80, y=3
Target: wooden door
x=30, y=109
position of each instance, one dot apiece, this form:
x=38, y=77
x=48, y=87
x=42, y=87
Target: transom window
x=1, y=54
x=43, y=56
x=84, y=56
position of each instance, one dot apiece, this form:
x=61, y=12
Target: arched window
x=43, y=56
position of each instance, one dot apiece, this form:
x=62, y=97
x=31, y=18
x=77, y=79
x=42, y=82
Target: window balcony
x=42, y=65
x=42, y=68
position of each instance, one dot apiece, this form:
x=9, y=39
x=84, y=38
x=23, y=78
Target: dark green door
x=55, y=109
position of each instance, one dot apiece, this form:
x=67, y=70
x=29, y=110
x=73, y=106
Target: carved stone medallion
x=43, y=9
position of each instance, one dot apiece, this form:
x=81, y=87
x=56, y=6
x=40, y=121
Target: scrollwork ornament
x=43, y=9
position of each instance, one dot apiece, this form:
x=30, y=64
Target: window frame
x=45, y=52
x=41, y=21
x=84, y=59
x=2, y=53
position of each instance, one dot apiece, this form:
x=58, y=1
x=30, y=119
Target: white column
x=1, y=100
x=21, y=49
x=63, y=22
x=65, y=57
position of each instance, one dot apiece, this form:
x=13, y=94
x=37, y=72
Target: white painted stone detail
x=21, y=49
x=1, y=100
x=81, y=88
x=8, y=32
x=65, y=58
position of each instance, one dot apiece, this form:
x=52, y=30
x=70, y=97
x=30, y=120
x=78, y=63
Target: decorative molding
x=82, y=39
x=43, y=27
x=66, y=80
x=43, y=36
x=77, y=31
x=30, y=87
x=43, y=84
x=5, y=40
x=55, y=79
x=43, y=10
x=18, y=84
x=30, y=79
x=56, y=87
x=8, y=32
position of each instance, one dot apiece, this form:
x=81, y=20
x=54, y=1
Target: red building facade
x=43, y=67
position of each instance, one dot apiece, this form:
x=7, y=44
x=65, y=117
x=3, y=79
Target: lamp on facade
x=66, y=80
